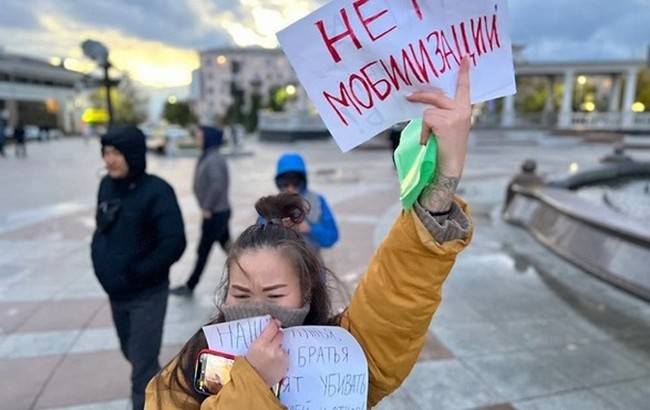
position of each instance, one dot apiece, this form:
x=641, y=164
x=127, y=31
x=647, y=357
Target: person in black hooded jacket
x=139, y=235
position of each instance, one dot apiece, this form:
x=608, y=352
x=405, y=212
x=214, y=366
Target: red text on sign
x=417, y=63
x=330, y=40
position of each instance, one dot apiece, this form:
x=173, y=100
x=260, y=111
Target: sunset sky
x=155, y=41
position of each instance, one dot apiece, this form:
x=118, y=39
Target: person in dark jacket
x=2, y=135
x=139, y=235
x=211, y=189
x=19, y=140
x=319, y=228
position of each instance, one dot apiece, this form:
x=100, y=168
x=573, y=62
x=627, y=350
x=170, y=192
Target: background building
x=227, y=74
x=37, y=93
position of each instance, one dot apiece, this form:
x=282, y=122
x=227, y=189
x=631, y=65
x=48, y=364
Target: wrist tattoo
x=438, y=196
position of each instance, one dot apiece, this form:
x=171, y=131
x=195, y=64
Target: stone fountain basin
x=594, y=233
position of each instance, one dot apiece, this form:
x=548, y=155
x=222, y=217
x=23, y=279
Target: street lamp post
x=98, y=52
x=107, y=86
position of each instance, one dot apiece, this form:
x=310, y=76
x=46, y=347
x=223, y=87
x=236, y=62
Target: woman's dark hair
x=280, y=213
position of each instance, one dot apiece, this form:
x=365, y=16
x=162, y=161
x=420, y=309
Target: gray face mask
x=287, y=316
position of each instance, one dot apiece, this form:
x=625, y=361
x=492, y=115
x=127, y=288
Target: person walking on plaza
x=319, y=227
x=3, y=125
x=19, y=140
x=211, y=182
x=139, y=235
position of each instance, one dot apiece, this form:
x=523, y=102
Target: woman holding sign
x=271, y=270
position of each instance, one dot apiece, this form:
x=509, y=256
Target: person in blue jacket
x=319, y=228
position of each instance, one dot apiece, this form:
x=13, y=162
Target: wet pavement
x=518, y=327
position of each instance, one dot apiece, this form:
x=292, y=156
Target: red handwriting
x=366, y=21
x=416, y=7
x=416, y=63
x=329, y=41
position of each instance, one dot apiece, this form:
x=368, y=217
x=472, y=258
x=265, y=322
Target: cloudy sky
x=155, y=40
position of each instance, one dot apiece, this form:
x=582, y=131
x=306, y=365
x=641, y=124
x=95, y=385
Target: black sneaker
x=183, y=290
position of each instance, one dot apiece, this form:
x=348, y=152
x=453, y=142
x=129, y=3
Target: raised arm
x=392, y=307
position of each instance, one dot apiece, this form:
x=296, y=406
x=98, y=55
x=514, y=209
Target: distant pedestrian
x=139, y=235
x=19, y=140
x=211, y=180
x=3, y=125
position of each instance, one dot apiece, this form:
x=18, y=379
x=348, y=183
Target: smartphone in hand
x=212, y=370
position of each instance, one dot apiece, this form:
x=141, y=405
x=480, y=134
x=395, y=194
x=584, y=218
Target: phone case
x=216, y=370
x=212, y=367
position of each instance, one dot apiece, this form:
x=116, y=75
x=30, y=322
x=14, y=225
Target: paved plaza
x=518, y=327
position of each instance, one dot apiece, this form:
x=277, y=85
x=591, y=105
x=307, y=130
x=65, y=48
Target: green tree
x=277, y=98
x=179, y=112
x=531, y=94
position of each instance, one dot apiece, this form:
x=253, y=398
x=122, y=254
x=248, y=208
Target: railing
x=292, y=121
x=642, y=121
x=610, y=120
x=599, y=120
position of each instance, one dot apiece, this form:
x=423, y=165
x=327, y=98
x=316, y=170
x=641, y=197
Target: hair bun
x=283, y=207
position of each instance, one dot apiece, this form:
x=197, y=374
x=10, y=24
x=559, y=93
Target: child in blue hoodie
x=319, y=228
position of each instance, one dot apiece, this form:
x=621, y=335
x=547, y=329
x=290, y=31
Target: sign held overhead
x=358, y=59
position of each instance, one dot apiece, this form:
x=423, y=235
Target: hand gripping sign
x=327, y=367
x=358, y=59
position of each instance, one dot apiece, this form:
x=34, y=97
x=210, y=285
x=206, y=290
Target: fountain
x=596, y=219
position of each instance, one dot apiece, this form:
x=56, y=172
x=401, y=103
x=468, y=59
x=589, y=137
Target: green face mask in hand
x=416, y=164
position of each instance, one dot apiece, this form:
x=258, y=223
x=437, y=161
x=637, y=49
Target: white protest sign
x=327, y=367
x=358, y=59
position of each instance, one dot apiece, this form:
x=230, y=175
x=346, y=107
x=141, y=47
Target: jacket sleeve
x=170, y=236
x=325, y=233
x=391, y=309
x=218, y=185
x=246, y=390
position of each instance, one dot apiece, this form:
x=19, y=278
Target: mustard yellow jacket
x=389, y=315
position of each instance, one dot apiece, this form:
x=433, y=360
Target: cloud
x=155, y=41
x=168, y=21
x=581, y=29
x=17, y=14
x=252, y=22
x=149, y=62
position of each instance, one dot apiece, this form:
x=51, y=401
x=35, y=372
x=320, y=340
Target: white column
x=508, y=114
x=615, y=94
x=628, y=98
x=566, y=112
